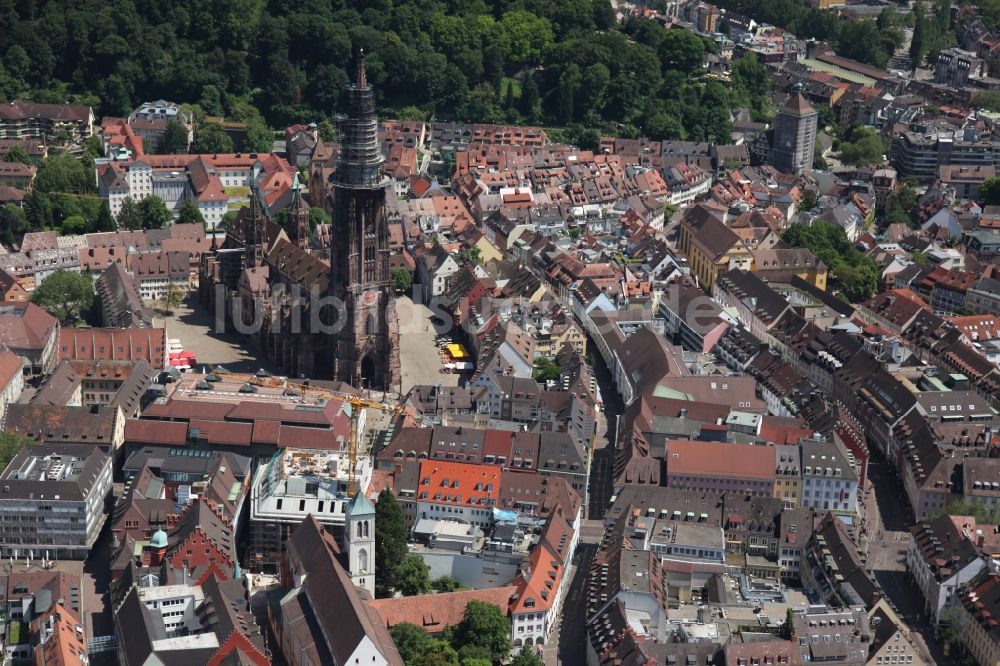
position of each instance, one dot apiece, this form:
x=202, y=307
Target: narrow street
x=602, y=467
x=887, y=552
x=571, y=648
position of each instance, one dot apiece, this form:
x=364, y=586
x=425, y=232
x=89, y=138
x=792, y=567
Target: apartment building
x=52, y=501
x=19, y=120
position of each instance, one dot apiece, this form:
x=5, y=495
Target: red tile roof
x=118, y=344
x=465, y=484
x=25, y=325
x=10, y=367
x=434, y=612
x=719, y=459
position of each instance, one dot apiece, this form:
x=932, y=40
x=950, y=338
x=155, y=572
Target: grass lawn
x=507, y=81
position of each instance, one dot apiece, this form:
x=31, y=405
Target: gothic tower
x=794, y=135
x=365, y=352
x=359, y=535
x=255, y=231
x=298, y=216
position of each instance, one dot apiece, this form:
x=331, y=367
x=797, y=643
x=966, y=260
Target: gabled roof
x=342, y=617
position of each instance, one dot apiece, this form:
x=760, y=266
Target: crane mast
x=356, y=402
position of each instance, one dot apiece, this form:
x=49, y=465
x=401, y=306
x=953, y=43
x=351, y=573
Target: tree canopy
x=527, y=657
x=174, y=140
x=861, y=145
x=558, y=63
x=188, y=213
x=485, y=627
x=390, y=542
x=413, y=576
x=989, y=191
x=545, y=370
x=10, y=444
x=855, y=274
x=65, y=295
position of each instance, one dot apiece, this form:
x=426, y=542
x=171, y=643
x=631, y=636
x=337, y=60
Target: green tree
x=545, y=370
x=211, y=100
x=326, y=131
x=469, y=255
x=17, y=154
x=445, y=584
x=62, y=173
x=864, y=147
x=527, y=657
x=523, y=37
x=412, y=576
x=808, y=201
x=918, y=42
x=438, y=654
x=682, y=50
x=153, y=212
x=260, y=138
x=104, y=220
x=486, y=627
x=65, y=295
x=13, y=223
x=411, y=641
x=10, y=444
x=989, y=191
x=188, y=213
x=855, y=274
x=317, y=216
x=174, y=140
x=211, y=139
x=528, y=101
x=130, y=215
x=174, y=297
x=402, y=280
x=390, y=542
x=228, y=218
x=825, y=114
x=989, y=100
x=73, y=225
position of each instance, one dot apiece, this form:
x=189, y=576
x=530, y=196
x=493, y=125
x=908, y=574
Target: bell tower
x=365, y=351
x=359, y=533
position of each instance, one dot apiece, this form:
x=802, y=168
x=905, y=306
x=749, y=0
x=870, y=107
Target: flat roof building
x=292, y=485
x=62, y=489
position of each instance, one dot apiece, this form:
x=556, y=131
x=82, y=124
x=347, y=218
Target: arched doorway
x=369, y=379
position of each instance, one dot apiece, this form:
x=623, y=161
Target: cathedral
x=315, y=319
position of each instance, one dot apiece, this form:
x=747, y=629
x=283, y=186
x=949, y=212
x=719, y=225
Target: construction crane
x=356, y=402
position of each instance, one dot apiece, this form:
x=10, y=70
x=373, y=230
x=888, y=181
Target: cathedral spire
x=362, y=76
x=254, y=231
x=298, y=215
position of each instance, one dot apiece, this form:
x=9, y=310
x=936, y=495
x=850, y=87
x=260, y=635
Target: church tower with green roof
x=360, y=537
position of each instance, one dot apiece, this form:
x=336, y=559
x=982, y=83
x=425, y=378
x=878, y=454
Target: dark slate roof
x=300, y=266
x=344, y=617
x=90, y=461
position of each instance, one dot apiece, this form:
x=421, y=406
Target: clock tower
x=366, y=341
